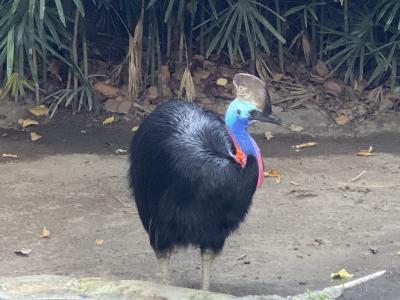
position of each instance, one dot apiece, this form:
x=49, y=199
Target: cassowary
x=194, y=175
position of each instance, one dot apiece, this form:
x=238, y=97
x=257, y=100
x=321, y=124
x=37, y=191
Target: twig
x=361, y=280
x=372, y=186
x=336, y=291
x=137, y=105
x=358, y=176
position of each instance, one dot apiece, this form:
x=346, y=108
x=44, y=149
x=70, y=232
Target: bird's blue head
x=238, y=114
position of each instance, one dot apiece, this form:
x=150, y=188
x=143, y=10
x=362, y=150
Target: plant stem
x=75, y=56
x=346, y=16
x=279, y=29
x=37, y=90
x=321, y=34
x=393, y=74
x=202, y=19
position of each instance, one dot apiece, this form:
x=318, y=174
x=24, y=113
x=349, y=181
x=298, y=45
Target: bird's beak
x=258, y=115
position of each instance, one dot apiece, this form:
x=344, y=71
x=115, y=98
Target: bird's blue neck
x=238, y=128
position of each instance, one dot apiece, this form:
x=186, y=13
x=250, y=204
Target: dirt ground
x=296, y=234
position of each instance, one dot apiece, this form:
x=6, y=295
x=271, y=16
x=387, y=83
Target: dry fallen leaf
x=9, y=155
x=222, y=81
x=296, y=128
x=35, y=136
x=109, y=120
x=342, y=119
x=45, y=233
x=366, y=153
x=268, y=135
x=27, y=122
x=273, y=173
x=40, y=110
x=23, y=251
x=342, y=274
x=99, y=242
x=294, y=183
x=135, y=128
x=305, y=145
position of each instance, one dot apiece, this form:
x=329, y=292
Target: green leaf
x=268, y=25
x=169, y=10
x=294, y=10
x=79, y=6
x=10, y=52
x=15, y=6
x=211, y=3
x=60, y=12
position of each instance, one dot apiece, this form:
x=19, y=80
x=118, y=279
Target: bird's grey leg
x=207, y=259
x=163, y=258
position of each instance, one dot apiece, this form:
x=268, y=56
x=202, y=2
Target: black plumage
x=193, y=178
x=188, y=188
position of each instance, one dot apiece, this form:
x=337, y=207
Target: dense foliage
x=359, y=39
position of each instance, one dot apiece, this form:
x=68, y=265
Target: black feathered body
x=188, y=188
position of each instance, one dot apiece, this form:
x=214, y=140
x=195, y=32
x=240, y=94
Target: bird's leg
x=163, y=258
x=207, y=259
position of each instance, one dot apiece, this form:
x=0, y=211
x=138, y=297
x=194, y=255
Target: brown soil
x=291, y=241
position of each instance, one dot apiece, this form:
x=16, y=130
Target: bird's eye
x=239, y=112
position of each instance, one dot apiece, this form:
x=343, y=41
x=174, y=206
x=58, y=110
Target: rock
x=226, y=71
x=220, y=108
x=121, y=99
x=277, y=109
x=111, y=105
x=165, y=74
x=203, y=74
x=152, y=93
x=360, y=85
x=118, y=105
x=106, y=89
x=10, y=113
x=167, y=92
x=206, y=102
x=321, y=68
x=342, y=120
x=178, y=74
x=200, y=75
x=333, y=88
x=227, y=91
x=209, y=65
x=385, y=104
x=124, y=107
